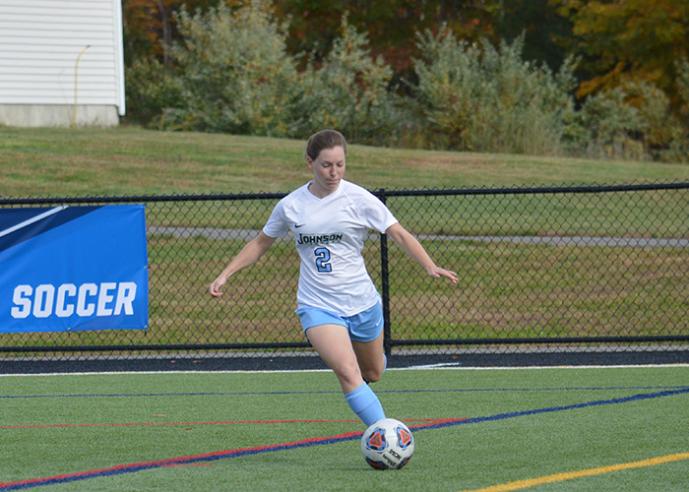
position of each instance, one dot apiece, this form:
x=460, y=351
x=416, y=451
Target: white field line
x=290, y=371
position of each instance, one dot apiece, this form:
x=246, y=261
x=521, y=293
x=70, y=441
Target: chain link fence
x=546, y=268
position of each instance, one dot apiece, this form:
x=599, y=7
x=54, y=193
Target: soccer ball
x=387, y=444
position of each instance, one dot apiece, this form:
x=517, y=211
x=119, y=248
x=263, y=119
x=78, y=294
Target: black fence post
x=385, y=287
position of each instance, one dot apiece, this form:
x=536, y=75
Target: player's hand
x=438, y=272
x=215, y=288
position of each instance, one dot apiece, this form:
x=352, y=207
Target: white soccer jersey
x=329, y=235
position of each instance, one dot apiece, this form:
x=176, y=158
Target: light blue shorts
x=365, y=326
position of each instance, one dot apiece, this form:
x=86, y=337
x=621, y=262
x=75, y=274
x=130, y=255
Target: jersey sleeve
x=375, y=214
x=277, y=225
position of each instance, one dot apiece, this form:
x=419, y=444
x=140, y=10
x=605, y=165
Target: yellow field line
x=590, y=472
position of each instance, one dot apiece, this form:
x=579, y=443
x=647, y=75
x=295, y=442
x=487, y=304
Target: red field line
x=172, y=462
x=198, y=459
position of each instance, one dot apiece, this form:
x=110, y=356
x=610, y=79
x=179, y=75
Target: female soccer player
x=337, y=303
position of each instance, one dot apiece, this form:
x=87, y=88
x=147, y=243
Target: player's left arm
x=413, y=248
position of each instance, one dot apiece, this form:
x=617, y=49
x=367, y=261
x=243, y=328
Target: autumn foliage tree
x=390, y=25
x=150, y=26
x=634, y=40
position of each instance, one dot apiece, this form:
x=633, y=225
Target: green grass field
x=522, y=424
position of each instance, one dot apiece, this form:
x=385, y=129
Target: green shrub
x=151, y=89
x=661, y=130
x=234, y=72
x=348, y=91
x=682, y=67
x=608, y=125
x=476, y=97
x=634, y=121
x=678, y=150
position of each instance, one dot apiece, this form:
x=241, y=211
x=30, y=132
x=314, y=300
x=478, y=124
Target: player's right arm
x=250, y=254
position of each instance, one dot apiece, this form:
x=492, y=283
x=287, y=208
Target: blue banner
x=73, y=269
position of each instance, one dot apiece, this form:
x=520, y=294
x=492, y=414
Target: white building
x=61, y=62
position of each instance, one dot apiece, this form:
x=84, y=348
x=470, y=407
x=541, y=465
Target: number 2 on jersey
x=323, y=260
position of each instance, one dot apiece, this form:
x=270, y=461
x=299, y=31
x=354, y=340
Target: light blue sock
x=364, y=402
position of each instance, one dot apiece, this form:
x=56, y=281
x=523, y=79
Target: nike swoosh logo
x=297, y=226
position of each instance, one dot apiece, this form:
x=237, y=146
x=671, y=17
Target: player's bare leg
x=333, y=344
x=371, y=358
x=335, y=348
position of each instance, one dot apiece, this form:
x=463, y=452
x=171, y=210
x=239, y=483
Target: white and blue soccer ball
x=387, y=444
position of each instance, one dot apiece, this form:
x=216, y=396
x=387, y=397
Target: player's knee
x=372, y=375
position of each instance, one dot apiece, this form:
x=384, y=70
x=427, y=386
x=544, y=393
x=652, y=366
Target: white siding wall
x=40, y=41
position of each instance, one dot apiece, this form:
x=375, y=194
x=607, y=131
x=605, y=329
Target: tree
x=390, y=25
x=150, y=26
x=633, y=40
x=543, y=29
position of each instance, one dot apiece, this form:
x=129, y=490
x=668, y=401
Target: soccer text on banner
x=73, y=269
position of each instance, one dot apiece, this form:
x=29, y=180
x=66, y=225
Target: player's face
x=328, y=170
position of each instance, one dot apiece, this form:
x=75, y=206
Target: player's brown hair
x=324, y=139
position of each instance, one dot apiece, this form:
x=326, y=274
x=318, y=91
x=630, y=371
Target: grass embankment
x=130, y=160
